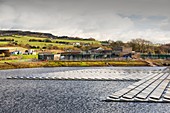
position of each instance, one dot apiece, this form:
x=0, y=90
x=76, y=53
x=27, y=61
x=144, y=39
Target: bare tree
x=141, y=45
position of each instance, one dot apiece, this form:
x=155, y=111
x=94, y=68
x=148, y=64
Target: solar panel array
x=149, y=86
x=155, y=88
x=92, y=74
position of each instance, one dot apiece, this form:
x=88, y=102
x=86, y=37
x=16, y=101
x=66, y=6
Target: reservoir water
x=71, y=96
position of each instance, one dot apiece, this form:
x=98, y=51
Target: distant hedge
x=39, y=40
x=36, y=40
x=8, y=40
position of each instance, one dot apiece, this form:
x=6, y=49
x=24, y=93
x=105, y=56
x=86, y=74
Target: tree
x=28, y=46
x=141, y=45
x=47, y=40
x=116, y=44
x=55, y=47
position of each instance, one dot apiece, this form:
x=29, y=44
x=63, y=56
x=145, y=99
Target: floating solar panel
x=92, y=74
x=155, y=88
x=151, y=86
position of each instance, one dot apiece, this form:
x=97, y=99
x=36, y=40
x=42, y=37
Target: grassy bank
x=15, y=65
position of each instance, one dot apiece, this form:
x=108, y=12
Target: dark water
x=50, y=96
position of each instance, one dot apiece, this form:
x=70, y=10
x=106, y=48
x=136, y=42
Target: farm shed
x=5, y=51
x=48, y=56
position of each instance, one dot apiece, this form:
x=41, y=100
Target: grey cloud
x=165, y=25
x=102, y=19
x=123, y=6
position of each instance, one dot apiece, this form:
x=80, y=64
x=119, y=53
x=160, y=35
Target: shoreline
x=38, y=64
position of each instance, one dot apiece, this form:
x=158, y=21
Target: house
x=105, y=43
x=17, y=52
x=30, y=52
x=76, y=44
x=92, y=54
x=95, y=50
x=86, y=44
x=5, y=51
x=122, y=51
x=48, y=56
x=71, y=55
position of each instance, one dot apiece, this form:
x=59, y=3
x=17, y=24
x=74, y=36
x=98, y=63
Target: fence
x=156, y=56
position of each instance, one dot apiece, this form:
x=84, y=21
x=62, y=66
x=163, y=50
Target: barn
x=48, y=56
x=5, y=51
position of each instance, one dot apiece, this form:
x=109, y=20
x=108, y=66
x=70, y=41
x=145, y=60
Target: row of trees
x=75, y=38
x=6, y=39
x=49, y=41
x=142, y=46
x=39, y=40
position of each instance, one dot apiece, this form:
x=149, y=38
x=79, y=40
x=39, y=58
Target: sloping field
x=25, y=40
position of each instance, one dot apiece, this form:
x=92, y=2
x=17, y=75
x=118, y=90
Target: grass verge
x=15, y=65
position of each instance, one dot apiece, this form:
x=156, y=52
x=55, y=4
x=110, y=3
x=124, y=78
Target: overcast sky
x=101, y=19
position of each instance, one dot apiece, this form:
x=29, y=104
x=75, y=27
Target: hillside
x=39, y=34
x=36, y=40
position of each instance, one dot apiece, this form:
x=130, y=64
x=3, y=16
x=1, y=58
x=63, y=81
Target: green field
x=3, y=43
x=25, y=40
x=16, y=48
